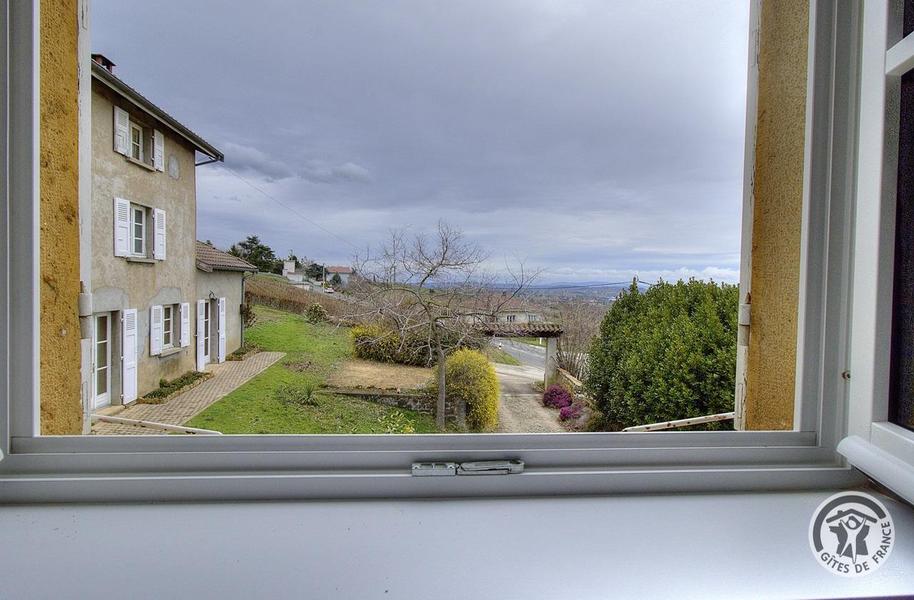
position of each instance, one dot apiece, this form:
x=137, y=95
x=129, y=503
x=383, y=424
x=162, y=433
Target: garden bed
x=169, y=389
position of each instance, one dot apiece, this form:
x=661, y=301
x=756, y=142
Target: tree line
x=259, y=254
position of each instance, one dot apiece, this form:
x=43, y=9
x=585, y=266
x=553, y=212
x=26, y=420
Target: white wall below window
x=728, y=546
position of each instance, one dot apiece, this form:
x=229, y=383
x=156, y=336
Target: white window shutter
x=121, y=131
x=220, y=356
x=185, y=324
x=121, y=227
x=201, y=349
x=158, y=150
x=158, y=223
x=156, y=337
x=128, y=355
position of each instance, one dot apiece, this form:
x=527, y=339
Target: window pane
x=101, y=354
x=901, y=405
x=563, y=138
x=101, y=382
x=101, y=328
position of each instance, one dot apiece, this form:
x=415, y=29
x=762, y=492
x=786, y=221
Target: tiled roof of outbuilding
x=211, y=259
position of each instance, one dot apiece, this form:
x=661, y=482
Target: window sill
x=169, y=352
x=141, y=260
x=140, y=163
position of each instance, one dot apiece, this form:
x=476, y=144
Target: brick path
x=227, y=377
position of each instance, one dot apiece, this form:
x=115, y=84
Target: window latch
x=480, y=467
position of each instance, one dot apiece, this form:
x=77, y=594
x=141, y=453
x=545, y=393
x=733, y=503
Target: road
x=520, y=408
x=528, y=355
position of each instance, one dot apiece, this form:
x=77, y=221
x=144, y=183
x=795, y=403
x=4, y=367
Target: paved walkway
x=520, y=409
x=227, y=377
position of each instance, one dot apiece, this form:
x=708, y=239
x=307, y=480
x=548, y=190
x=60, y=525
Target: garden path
x=227, y=377
x=520, y=408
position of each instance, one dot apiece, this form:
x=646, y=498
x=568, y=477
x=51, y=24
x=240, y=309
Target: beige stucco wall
x=224, y=284
x=118, y=283
x=777, y=214
x=61, y=406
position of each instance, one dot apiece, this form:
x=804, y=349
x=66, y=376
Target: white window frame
x=134, y=209
x=168, y=324
x=207, y=331
x=106, y=400
x=881, y=449
x=137, y=128
x=148, y=468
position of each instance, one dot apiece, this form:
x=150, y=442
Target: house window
x=102, y=343
x=136, y=142
x=511, y=318
x=607, y=456
x=206, y=324
x=901, y=399
x=168, y=313
x=138, y=230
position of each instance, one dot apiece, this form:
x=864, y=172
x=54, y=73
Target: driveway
x=520, y=408
x=527, y=354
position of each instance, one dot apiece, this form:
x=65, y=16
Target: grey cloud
x=320, y=172
x=589, y=136
x=252, y=160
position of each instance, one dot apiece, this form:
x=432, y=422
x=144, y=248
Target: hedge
x=664, y=354
x=469, y=377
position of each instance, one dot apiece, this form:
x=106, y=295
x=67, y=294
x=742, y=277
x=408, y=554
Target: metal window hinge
x=481, y=467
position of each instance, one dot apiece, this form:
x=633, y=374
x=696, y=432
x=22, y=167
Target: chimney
x=104, y=61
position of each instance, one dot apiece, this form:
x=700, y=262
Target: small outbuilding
x=220, y=286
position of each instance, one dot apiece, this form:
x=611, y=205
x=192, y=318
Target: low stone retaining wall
x=454, y=411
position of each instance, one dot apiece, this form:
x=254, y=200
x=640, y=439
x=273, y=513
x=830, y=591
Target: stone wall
x=61, y=405
x=454, y=411
x=777, y=214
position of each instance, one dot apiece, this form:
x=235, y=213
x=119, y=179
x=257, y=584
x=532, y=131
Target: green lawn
x=533, y=341
x=311, y=352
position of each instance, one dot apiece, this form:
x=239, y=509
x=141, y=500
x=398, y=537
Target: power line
x=289, y=208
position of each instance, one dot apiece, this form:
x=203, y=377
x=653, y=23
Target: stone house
x=144, y=292
x=344, y=274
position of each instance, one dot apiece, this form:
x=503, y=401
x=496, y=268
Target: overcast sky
x=592, y=139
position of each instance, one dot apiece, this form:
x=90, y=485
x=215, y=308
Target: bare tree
x=580, y=321
x=431, y=289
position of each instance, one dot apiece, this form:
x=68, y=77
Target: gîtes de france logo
x=851, y=534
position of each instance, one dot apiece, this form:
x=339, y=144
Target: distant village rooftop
x=340, y=270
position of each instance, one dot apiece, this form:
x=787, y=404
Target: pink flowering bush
x=557, y=397
x=571, y=412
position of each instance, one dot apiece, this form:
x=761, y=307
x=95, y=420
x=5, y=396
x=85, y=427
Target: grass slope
x=312, y=351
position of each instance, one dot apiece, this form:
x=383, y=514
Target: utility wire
x=289, y=208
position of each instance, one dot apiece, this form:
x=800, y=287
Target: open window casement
x=164, y=467
x=121, y=131
x=159, y=234
x=156, y=332
x=129, y=348
x=122, y=235
x=879, y=447
x=158, y=150
x=185, y=325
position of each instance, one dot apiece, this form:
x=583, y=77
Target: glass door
x=102, y=379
